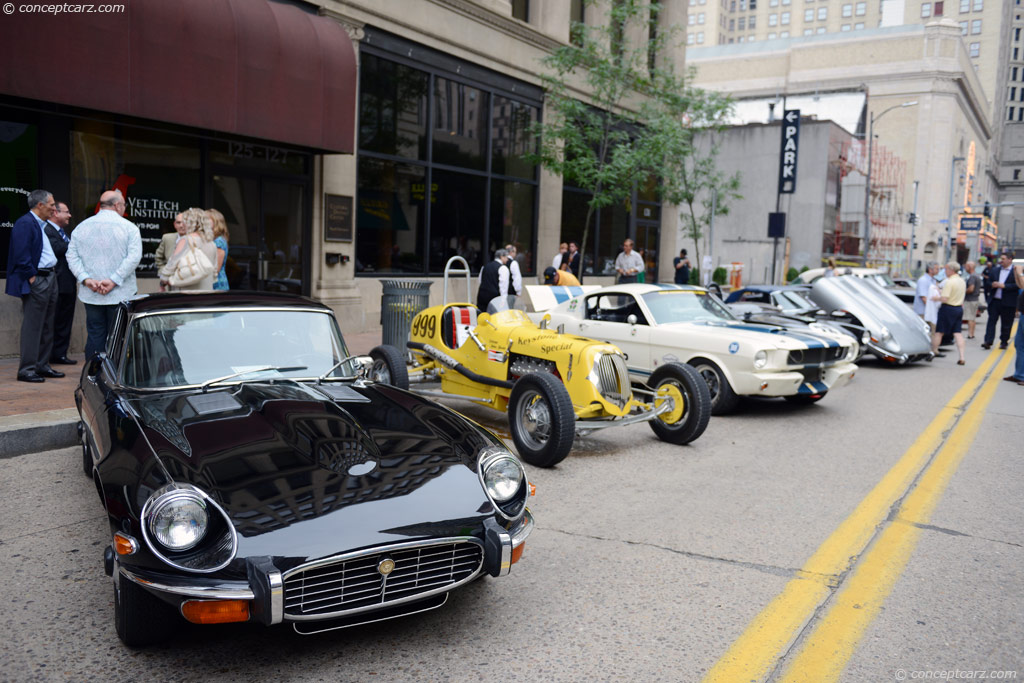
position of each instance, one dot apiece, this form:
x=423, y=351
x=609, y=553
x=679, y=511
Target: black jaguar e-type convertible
x=251, y=471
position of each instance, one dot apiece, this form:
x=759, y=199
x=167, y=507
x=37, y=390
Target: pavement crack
x=35, y=532
x=954, y=532
x=756, y=566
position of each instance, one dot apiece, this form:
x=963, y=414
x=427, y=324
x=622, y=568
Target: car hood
x=793, y=338
x=303, y=470
x=876, y=309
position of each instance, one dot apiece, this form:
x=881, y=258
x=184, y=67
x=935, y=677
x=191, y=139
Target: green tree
x=616, y=116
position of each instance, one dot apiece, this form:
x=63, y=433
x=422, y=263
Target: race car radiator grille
x=815, y=356
x=367, y=580
x=614, y=378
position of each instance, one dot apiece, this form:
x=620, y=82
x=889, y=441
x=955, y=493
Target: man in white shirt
x=513, y=269
x=563, y=249
x=104, y=252
x=629, y=263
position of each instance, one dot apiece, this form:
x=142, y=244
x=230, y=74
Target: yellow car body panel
x=507, y=336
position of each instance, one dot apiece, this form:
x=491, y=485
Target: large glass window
x=158, y=174
x=390, y=215
x=19, y=175
x=472, y=194
x=458, y=220
x=392, y=108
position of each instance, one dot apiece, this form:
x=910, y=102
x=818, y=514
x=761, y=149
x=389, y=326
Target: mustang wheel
x=805, y=398
x=723, y=398
x=389, y=366
x=692, y=403
x=140, y=618
x=542, y=419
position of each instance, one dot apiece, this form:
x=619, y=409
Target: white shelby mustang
x=658, y=324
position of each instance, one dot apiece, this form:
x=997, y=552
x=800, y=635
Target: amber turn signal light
x=215, y=611
x=517, y=553
x=533, y=489
x=124, y=545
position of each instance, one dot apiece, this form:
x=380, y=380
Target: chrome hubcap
x=534, y=419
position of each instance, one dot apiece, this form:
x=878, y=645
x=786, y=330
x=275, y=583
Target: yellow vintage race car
x=552, y=385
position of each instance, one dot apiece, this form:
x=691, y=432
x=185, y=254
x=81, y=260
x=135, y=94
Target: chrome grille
x=614, y=377
x=815, y=356
x=355, y=581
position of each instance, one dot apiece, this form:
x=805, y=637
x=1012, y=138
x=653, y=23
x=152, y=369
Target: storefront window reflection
x=512, y=219
x=511, y=138
x=460, y=124
x=392, y=108
x=158, y=174
x=457, y=219
x=390, y=217
x=19, y=175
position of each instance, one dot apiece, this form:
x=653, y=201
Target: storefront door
x=647, y=244
x=267, y=218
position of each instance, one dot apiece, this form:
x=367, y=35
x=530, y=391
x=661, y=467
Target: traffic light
x=905, y=244
x=912, y=218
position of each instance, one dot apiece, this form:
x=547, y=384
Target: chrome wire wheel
x=533, y=419
x=380, y=372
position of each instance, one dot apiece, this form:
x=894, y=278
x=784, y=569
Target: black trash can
x=401, y=301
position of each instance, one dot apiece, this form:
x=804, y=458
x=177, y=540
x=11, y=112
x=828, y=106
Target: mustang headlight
x=179, y=520
x=760, y=359
x=504, y=480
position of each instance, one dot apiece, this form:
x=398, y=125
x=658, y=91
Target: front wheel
x=541, y=418
x=691, y=409
x=140, y=617
x=723, y=398
x=805, y=398
x=389, y=366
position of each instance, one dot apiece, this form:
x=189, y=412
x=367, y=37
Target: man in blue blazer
x=31, y=277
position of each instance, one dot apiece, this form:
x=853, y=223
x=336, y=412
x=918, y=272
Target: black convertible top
x=233, y=299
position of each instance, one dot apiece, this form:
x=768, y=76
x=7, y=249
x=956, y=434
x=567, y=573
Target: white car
x=657, y=324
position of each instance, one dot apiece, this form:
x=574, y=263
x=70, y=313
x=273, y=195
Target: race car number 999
x=424, y=326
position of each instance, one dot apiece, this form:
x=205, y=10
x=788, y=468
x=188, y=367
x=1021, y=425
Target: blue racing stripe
x=811, y=341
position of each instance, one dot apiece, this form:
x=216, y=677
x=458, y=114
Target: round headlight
x=884, y=333
x=502, y=476
x=865, y=337
x=179, y=520
x=760, y=359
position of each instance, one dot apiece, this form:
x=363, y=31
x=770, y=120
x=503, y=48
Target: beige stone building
x=346, y=141
x=855, y=76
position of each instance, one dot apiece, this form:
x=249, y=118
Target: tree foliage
x=615, y=118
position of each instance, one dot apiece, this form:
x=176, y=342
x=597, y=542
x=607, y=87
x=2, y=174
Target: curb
x=45, y=431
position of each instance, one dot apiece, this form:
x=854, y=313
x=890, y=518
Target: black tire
x=696, y=399
x=87, y=463
x=723, y=398
x=541, y=418
x=389, y=366
x=141, y=618
x=805, y=398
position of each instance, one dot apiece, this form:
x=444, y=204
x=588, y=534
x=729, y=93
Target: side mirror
x=94, y=364
x=631, y=319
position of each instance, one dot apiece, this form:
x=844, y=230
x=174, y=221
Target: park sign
x=787, y=156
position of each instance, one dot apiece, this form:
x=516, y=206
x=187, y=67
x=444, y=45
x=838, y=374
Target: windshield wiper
x=321, y=378
x=215, y=380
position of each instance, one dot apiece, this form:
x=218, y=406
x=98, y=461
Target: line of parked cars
x=253, y=470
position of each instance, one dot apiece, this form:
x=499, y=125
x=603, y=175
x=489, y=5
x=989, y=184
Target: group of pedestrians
x=49, y=266
x=947, y=303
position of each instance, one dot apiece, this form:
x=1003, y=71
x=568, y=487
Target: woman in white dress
x=198, y=235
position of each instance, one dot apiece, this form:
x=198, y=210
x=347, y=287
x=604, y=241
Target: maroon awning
x=255, y=68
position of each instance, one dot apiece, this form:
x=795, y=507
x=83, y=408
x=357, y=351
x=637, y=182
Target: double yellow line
x=824, y=652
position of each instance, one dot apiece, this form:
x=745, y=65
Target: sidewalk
x=39, y=417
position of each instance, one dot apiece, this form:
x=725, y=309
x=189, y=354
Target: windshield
x=882, y=279
x=793, y=299
x=676, y=306
x=188, y=348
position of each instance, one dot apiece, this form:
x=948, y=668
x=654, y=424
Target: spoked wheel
x=723, y=398
x=389, y=367
x=542, y=420
x=691, y=403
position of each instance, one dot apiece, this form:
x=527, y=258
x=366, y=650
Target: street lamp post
x=867, y=176
x=949, y=226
